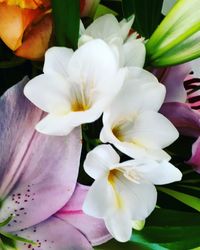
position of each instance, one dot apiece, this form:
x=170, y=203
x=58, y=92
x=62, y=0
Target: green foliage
x=165, y=229
x=66, y=15
x=147, y=14
x=189, y=200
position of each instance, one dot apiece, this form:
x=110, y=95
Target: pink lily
x=182, y=104
x=38, y=176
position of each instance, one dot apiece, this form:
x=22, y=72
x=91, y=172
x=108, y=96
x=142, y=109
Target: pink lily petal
x=53, y=234
x=185, y=119
x=38, y=173
x=195, y=158
x=192, y=86
x=94, y=229
x=172, y=78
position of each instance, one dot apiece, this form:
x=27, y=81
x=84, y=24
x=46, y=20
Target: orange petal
x=28, y=4
x=36, y=41
x=13, y=23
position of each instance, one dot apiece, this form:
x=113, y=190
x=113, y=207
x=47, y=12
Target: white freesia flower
x=124, y=192
x=132, y=122
x=128, y=50
x=75, y=87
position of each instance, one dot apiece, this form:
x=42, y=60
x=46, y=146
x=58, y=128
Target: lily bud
x=176, y=38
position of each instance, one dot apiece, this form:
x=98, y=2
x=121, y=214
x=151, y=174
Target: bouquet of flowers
x=99, y=124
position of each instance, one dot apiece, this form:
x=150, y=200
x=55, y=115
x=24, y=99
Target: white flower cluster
x=105, y=76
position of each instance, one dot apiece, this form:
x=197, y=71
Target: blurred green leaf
x=179, y=238
x=13, y=62
x=66, y=16
x=114, y=245
x=103, y=10
x=147, y=14
x=114, y=5
x=165, y=229
x=189, y=200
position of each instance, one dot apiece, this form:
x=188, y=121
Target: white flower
x=132, y=122
x=128, y=50
x=123, y=192
x=75, y=87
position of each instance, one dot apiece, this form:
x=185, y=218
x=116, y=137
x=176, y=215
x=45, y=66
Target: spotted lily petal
x=53, y=234
x=33, y=167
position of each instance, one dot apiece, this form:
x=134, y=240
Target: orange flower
x=26, y=25
x=19, y=18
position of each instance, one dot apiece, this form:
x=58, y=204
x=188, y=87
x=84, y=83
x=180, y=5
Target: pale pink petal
x=195, y=158
x=38, y=173
x=94, y=229
x=185, y=119
x=172, y=78
x=54, y=234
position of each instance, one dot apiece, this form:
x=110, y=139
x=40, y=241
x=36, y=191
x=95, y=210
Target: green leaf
x=178, y=238
x=165, y=229
x=103, y=10
x=6, y=221
x=2, y=247
x=13, y=62
x=114, y=245
x=147, y=14
x=187, y=199
x=66, y=16
x=168, y=218
x=16, y=238
x=170, y=229
x=8, y=243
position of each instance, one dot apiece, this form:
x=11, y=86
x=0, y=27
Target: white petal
x=99, y=200
x=119, y=225
x=138, y=199
x=145, y=93
x=63, y=124
x=153, y=130
x=94, y=64
x=54, y=125
x=134, y=53
x=56, y=60
x=159, y=173
x=134, y=151
x=49, y=93
x=128, y=147
x=126, y=26
x=84, y=39
x=99, y=160
x=105, y=27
